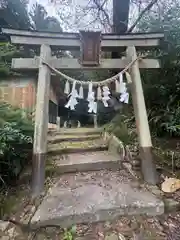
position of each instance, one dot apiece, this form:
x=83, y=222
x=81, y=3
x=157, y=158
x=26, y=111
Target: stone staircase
x=77, y=150
x=92, y=184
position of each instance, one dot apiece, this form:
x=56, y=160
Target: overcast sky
x=66, y=10
x=72, y=20
x=49, y=7
x=69, y=12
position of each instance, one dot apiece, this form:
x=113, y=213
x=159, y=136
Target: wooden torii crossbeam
x=70, y=41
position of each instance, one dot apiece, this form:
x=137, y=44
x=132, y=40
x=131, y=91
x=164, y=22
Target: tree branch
x=149, y=6
x=101, y=8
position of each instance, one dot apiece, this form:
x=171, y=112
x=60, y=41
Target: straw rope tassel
x=90, y=87
x=128, y=77
x=81, y=92
x=67, y=88
x=74, y=86
x=122, y=84
x=117, y=86
x=99, y=93
x=120, y=77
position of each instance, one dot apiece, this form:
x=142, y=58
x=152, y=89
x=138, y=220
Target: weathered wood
x=90, y=48
x=41, y=124
x=148, y=167
x=71, y=63
x=72, y=40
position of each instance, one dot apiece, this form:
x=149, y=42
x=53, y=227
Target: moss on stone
x=76, y=145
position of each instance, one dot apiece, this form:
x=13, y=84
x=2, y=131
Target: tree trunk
x=120, y=19
x=120, y=15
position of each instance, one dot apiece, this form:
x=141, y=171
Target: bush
x=166, y=122
x=16, y=132
x=122, y=126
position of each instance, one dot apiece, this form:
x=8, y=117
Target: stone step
x=73, y=138
x=77, y=147
x=89, y=161
x=75, y=131
x=89, y=197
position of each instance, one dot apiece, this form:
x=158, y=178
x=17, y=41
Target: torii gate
x=90, y=44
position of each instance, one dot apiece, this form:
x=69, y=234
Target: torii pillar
x=41, y=123
x=147, y=164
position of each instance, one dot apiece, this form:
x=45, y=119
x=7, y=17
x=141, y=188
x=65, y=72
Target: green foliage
x=14, y=14
x=122, y=127
x=69, y=233
x=162, y=86
x=7, y=51
x=16, y=132
x=166, y=121
x=169, y=158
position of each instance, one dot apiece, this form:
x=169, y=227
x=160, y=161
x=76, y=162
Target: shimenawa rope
x=100, y=83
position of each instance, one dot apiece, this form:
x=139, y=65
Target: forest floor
x=15, y=204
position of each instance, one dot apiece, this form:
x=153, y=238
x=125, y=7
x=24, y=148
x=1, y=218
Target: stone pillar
x=41, y=123
x=147, y=164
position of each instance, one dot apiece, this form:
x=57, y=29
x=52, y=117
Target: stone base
x=148, y=166
x=94, y=197
x=38, y=173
